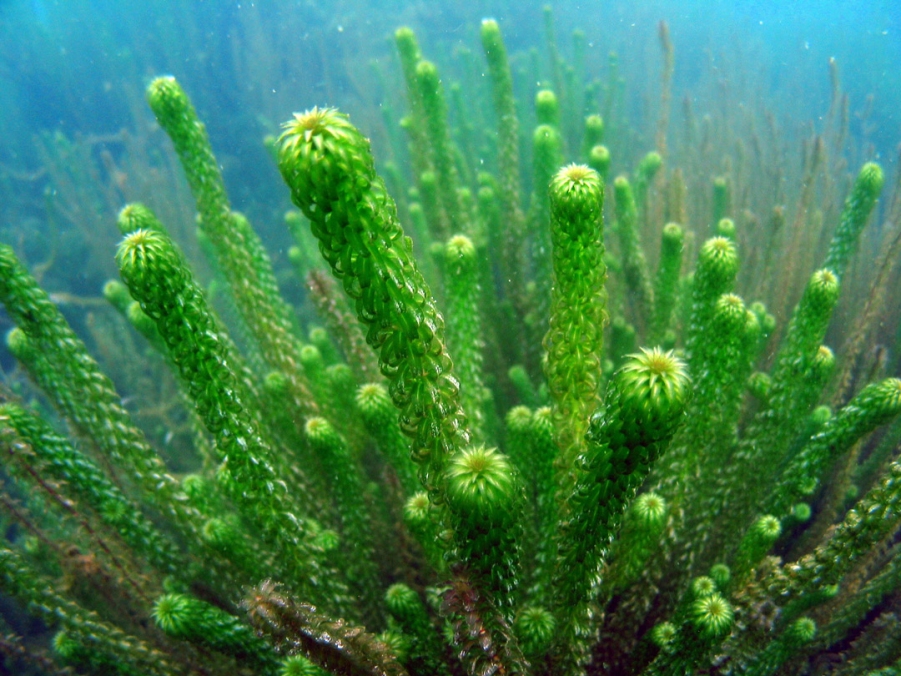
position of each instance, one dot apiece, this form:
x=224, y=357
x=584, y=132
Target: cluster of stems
x=455, y=473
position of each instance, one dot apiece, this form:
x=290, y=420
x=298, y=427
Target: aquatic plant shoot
x=495, y=361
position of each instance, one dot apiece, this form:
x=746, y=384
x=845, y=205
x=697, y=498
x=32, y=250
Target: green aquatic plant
x=455, y=476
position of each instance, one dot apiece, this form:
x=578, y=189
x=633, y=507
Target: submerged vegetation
x=529, y=417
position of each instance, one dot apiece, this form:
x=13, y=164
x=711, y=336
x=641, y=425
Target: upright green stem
x=643, y=407
x=574, y=339
x=238, y=249
x=328, y=166
x=157, y=277
x=507, y=158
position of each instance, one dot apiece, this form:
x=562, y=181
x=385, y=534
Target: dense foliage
x=528, y=435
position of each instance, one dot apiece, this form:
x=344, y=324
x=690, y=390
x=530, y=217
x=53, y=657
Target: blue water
x=77, y=140
x=86, y=49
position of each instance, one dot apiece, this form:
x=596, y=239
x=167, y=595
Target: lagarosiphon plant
x=511, y=445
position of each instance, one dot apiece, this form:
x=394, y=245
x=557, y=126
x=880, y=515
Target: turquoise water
x=776, y=105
